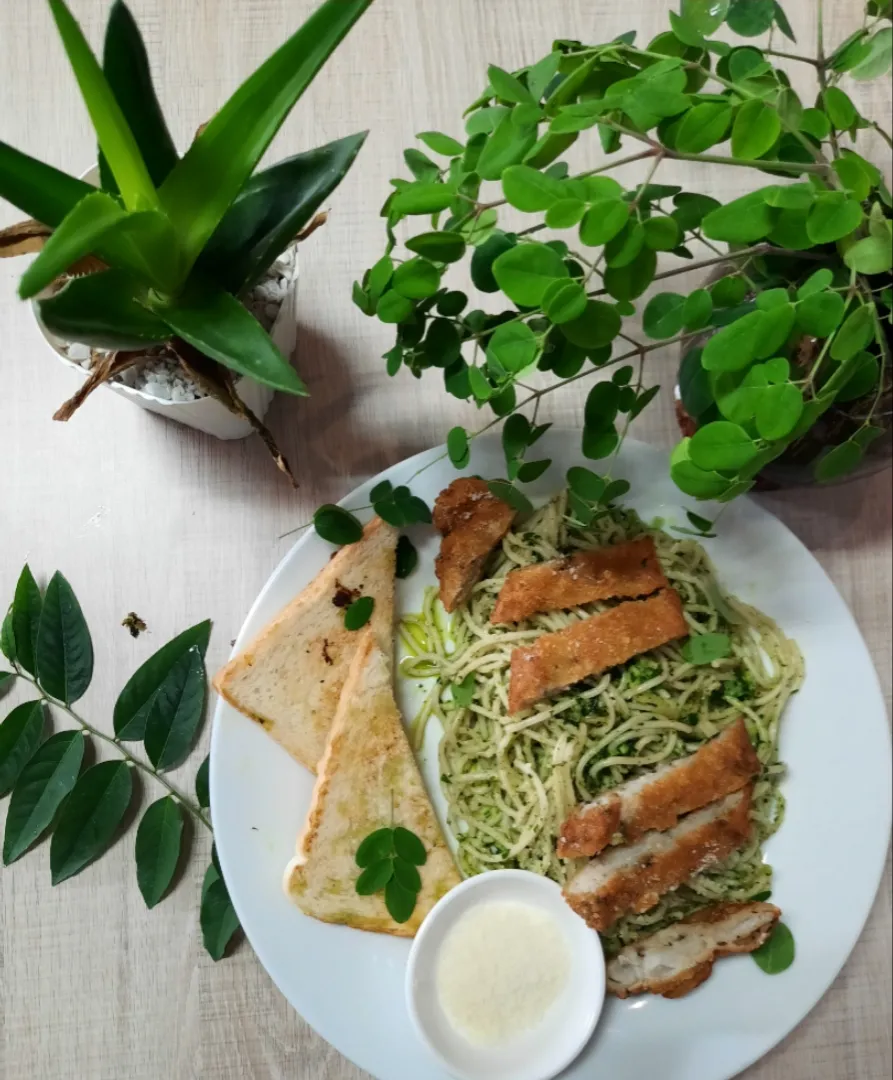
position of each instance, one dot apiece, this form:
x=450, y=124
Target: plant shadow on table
x=326, y=443
x=828, y=518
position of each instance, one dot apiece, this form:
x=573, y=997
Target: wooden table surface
x=145, y=516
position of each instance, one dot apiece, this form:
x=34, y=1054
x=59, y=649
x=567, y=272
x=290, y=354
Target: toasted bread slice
x=679, y=958
x=591, y=646
x=624, y=570
x=634, y=877
x=472, y=521
x=658, y=799
x=289, y=678
x=368, y=779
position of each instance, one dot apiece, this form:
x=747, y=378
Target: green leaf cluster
x=560, y=259
x=389, y=859
x=47, y=642
x=180, y=238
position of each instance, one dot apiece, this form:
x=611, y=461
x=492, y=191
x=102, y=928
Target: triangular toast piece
x=289, y=678
x=368, y=779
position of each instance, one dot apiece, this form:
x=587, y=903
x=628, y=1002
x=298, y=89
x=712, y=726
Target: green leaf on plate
x=202, y=783
x=374, y=878
x=158, y=840
x=90, y=818
x=463, y=692
x=406, y=875
x=517, y=500
x=217, y=916
x=20, y=735
x=585, y=484
x=377, y=846
x=64, y=650
x=24, y=620
x=776, y=954
x=135, y=701
x=407, y=557
x=176, y=711
x=359, y=613
x=457, y=447
x=705, y=648
x=43, y=784
x=337, y=525
x=399, y=901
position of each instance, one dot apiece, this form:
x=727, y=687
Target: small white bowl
x=567, y=1027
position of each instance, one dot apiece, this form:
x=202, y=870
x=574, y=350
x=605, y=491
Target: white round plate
x=828, y=856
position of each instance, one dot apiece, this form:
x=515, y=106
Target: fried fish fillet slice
x=624, y=570
x=368, y=779
x=472, y=521
x=634, y=877
x=676, y=960
x=555, y=661
x=658, y=799
x=289, y=678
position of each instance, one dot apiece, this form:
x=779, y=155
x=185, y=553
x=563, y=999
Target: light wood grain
x=145, y=516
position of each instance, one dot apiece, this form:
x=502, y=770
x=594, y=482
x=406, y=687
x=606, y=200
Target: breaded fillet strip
x=658, y=799
x=555, y=661
x=634, y=877
x=679, y=958
x=472, y=521
x=624, y=570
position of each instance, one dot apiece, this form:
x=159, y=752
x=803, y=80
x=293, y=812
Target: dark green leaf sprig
x=47, y=642
x=809, y=253
x=389, y=860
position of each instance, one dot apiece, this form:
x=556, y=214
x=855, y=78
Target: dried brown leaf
x=25, y=238
x=107, y=368
x=310, y=229
x=218, y=383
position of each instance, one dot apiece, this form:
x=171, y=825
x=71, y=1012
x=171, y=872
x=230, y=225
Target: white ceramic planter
x=204, y=414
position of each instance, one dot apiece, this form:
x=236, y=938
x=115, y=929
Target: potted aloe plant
x=786, y=352
x=171, y=273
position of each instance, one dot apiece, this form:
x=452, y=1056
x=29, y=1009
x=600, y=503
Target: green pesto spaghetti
x=510, y=781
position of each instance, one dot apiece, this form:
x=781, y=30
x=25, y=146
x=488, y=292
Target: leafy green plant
x=46, y=640
x=798, y=322
x=170, y=244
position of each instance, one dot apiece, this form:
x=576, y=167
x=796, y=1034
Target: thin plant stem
x=141, y=765
x=793, y=56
